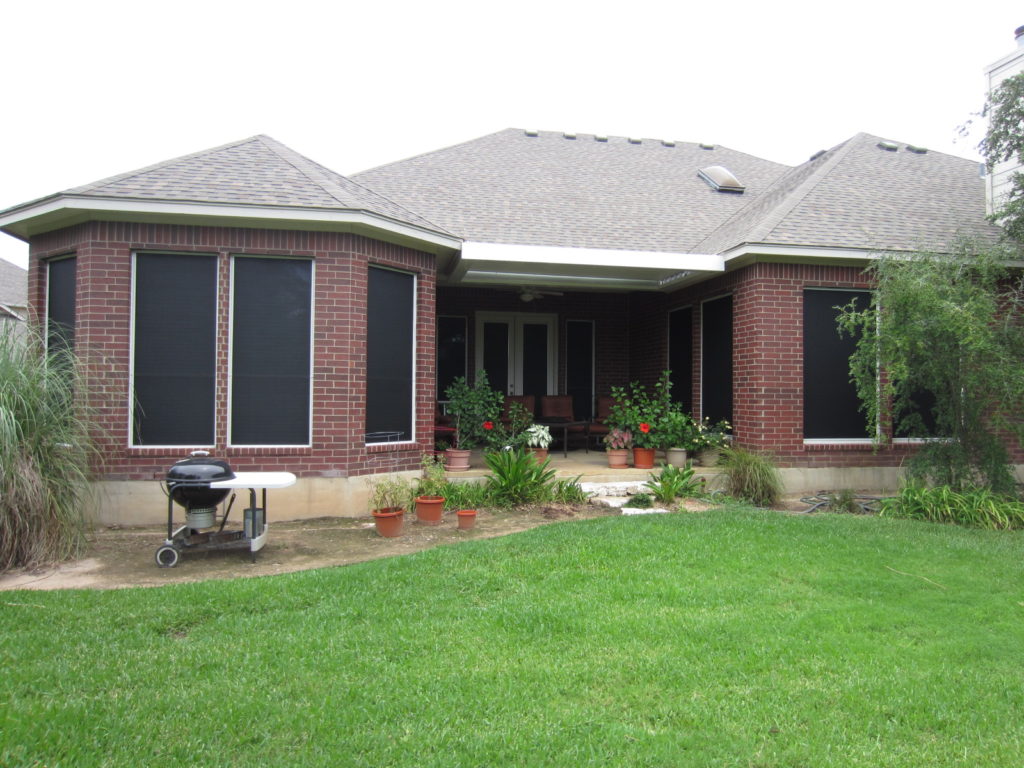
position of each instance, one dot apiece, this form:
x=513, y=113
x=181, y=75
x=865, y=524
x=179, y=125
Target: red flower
x=645, y=427
x=488, y=425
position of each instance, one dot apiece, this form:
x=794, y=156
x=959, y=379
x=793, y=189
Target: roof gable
x=860, y=195
x=257, y=171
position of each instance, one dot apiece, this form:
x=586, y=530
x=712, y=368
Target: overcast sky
x=98, y=88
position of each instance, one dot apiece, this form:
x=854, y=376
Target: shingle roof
x=510, y=187
x=255, y=171
x=859, y=195
x=13, y=284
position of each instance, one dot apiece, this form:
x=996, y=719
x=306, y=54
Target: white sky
x=97, y=88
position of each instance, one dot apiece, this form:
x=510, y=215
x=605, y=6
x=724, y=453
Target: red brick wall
x=768, y=361
x=103, y=327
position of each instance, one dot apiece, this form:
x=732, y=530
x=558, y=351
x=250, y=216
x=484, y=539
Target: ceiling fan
x=532, y=294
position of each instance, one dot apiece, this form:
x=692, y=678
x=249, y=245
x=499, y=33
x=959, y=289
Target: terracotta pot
x=618, y=458
x=539, y=454
x=467, y=519
x=389, y=521
x=643, y=458
x=676, y=457
x=457, y=460
x=430, y=509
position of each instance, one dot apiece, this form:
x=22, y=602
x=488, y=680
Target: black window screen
x=451, y=352
x=579, y=367
x=390, y=340
x=270, y=351
x=175, y=349
x=680, y=356
x=716, y=359
x=60, y=304
x=831, y=405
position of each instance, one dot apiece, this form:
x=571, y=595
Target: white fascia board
x=326, y=217
x=853, y=254
x=592, y=257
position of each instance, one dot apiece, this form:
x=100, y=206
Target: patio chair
x=599, y=427
x=558, y=408
x=529, y=402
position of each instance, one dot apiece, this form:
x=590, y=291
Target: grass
x=729, y=638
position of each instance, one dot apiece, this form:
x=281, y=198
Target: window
x=831, y=405
x=716, y=359
x=680, y=356
x=60, y=303
x=451, y=352
x=271, y=325
x=174, y=349
x=390, y=350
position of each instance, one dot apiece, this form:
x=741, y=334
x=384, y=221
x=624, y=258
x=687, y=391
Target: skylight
x=720, y=179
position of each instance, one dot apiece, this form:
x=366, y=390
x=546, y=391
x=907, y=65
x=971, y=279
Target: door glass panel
x=716, y=360
x=579, y=367
x=495, y=358
x=535, y=359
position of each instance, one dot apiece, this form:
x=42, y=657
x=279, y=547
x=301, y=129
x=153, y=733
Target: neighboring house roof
x=253, y=182
x=13, y=286
x=862, y=196
x=545, y=189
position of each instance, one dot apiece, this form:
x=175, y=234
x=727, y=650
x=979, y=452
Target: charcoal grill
x=199, y=484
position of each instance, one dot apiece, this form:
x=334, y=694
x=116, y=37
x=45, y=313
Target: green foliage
x=432, y=481
x=677, y=428
x=844, y=501
x=972, y=507
x=567, y=491
x=391, y=492
x=751, y=477
x=1004, y=141
x=641, y=412
x=45, y=452
x=516, y=477
x=674, y=482
x=538, y=436
x=465, y=495
x=475, y=410
x=706, y=435
x=947, y=324
x=641, y=501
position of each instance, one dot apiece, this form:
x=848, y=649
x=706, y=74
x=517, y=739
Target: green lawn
x=734, y=638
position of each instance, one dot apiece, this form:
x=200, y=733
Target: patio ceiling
x=590, y=269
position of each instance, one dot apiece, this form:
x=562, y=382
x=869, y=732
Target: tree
x=1004, y=141
x=949, y=325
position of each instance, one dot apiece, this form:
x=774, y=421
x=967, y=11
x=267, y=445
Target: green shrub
x=751, y=476
x=465, y=495
x=516, y=477
x=844, y=501
x=640, y=501
x=568, y=491
x=45, y=453
x=973, y=507
x=674, y=482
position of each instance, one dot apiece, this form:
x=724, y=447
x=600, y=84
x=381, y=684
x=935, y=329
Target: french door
x=517, y=349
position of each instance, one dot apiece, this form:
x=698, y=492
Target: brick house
x=247, y=300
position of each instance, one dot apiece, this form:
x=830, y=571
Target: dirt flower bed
x=124, y=557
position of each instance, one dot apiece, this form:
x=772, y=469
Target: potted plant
x=642, y=413
x=474, y=410
x=677, y=432
x=538, y=440
x=430, y=490
x=708, y=441
x=618, y=445
x=389, y=496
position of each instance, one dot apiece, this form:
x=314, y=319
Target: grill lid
x=200, y=469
